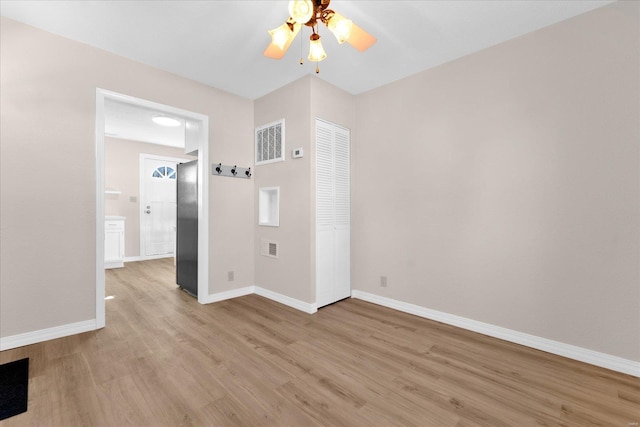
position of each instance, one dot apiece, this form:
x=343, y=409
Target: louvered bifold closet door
x=333, y=223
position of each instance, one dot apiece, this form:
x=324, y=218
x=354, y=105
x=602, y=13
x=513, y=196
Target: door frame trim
x=203, y=194
x=141, y=177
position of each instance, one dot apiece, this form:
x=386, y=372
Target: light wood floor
x=165, y=360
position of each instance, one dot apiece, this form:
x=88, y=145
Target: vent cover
x=269, y=248
x=273, y=249
x=270, y=143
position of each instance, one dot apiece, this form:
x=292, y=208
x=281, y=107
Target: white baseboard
x=283, y=299
x=603, y=360
x=146, y=258
x=234, y=293
x=113, y=264
x=274, y=296
x=28, y=338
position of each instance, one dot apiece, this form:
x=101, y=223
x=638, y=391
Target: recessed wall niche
x=269, y=206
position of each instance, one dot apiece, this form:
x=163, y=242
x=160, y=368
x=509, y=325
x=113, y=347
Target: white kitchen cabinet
x=114, y=242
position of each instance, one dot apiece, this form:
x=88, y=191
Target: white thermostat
x=297, y=153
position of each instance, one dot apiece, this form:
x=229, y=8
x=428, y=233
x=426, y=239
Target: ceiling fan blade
x=274, y=51
x=360, y=39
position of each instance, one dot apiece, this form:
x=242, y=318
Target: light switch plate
x=297, y=153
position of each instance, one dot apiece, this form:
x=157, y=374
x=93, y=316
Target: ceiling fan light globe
x=340, y=27
x=301, y=10
x=280, y=36
x=316, y=51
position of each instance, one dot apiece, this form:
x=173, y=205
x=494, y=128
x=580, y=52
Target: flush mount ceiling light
x=309, y=13
x=166, y=121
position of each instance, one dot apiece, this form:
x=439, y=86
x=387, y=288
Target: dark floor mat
x=14, y=380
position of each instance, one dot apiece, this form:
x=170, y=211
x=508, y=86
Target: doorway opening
x=196, y=143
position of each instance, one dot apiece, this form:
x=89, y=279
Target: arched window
x=164, y=172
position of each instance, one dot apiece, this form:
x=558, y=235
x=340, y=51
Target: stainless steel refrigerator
x=187, y=227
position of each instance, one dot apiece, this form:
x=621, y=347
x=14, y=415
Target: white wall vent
x=270, y=143
x=269, y=248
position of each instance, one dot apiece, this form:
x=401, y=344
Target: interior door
x=158, y=203
x=333, y=223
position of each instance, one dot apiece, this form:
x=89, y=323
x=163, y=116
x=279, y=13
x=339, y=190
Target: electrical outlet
x=383, y=281
x=230, y=276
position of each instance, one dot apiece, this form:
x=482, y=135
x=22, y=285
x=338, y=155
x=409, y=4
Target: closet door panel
x=324, y=178
x=333, y=213
x=325, y=267
x=341, y=264
x=341, y=178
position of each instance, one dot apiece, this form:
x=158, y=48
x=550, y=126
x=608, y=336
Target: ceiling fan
x=310, y=13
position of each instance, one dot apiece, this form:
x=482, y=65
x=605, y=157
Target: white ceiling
x=220, y=43
x=127, y=120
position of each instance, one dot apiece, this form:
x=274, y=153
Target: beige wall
x=290, y=273
x=504, y=187
x=47, y=173
x=122, y=173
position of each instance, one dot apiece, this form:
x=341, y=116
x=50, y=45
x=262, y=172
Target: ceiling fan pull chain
x=301, y=58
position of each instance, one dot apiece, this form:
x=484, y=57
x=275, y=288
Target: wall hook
x=234, y=171
x=219, y=168
x=248, y=173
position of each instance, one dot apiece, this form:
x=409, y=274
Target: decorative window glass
x=270, y=143
x=165, y=172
